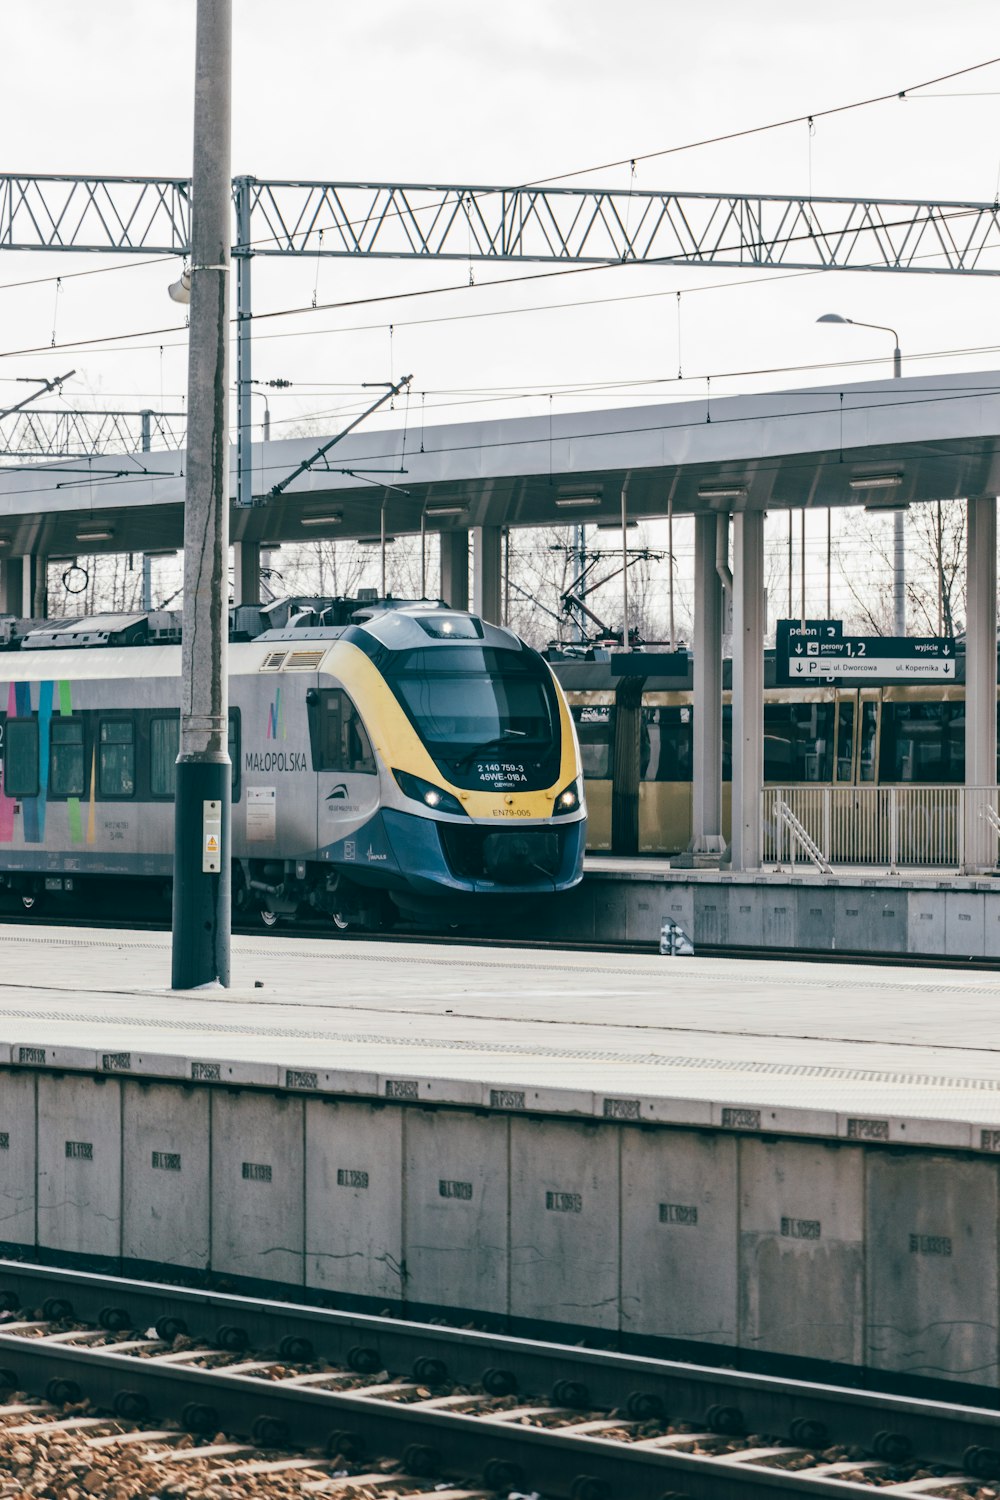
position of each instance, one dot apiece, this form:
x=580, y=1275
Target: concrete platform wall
x=840, y=1247
x=887, y=915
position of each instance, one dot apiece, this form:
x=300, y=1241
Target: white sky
x=462, y=91
x=457, y=90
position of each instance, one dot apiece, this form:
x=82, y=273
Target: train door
x=594, y=717
x=859, y=713
x=666, y=754
x=854, y=815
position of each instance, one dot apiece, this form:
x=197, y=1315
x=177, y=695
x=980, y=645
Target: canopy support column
x=748, y=688
x=246, y=572
x=11, y=586
x=487, y=574
x=455, y=568
x=980, y=682
x=706, y=803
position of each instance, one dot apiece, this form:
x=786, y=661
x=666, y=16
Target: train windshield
x=464, y=699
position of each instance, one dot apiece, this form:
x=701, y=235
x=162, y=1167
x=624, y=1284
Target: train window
x=341, y=742
x=66, y=769
x=116, y=759
x=164, y=742
x=923, y=742
x=869, y=741
x=20, y=761
x=234, y=751
x=845, y=739
x=460, y=698
x=595, y=729
x=727, y=742
x=798, y=742
x=666, y=747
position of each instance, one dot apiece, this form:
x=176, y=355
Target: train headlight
x=429, y=794
x=568, y=800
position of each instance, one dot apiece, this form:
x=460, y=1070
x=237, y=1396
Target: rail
x=584, y=1424
x=887, y=827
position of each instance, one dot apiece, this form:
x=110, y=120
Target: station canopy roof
x=922, y=438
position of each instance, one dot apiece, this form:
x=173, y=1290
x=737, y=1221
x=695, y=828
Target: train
x=388, y=759
x=636, y=736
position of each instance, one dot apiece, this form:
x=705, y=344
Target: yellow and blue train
x=385, y=759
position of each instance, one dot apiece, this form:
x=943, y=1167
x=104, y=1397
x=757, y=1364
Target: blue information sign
x=818, y=651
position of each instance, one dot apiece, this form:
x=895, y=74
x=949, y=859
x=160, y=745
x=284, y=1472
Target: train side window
x=595, y=728
x=234, y=751
x=116, y=759
x=798, y=742
x=164, y=742
x=845, y=739
x=666, y=745
x=20, y=761
x=341, y=742
x=869, y=741
x=66, y=767
x=923, y=742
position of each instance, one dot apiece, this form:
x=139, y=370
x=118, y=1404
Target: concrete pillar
x=246, y=572
x=11, y=580
x=706, y=797
x=980, y=679
x=748, y=687
x=34, y=587
x=455, y=568
x=487, y=593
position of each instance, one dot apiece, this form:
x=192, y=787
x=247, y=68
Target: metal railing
x=891, y=827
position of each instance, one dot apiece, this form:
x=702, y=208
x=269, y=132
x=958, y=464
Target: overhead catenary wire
x=912, y=90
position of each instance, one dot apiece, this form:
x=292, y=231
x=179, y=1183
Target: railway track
x=47, y=917
x=478, y=1413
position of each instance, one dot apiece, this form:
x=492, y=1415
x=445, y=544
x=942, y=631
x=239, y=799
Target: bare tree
x=935, y=568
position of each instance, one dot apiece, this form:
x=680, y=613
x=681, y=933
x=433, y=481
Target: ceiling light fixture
x=94, y=536
x=565, y=502
x=333, y=518
x=722, y=492
x=446, y=510
x=875, y=481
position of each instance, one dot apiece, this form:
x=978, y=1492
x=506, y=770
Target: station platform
x=778, y=1159
x=861, y=910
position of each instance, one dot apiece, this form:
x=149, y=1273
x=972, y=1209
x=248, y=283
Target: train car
x=637, y=745
x=413, y=759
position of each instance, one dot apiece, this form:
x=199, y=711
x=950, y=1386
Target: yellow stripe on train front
x=399, y=747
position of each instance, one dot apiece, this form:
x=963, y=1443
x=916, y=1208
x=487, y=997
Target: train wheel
x=342, y=922
x=268, y=917
x=28, y=902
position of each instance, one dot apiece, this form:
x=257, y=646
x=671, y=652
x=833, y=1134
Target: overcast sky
x=462, y=91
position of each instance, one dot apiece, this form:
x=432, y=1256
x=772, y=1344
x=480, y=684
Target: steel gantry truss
x=579, y=225
x=60, y=432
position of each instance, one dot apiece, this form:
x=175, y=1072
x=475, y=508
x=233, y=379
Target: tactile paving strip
x=514, y=1049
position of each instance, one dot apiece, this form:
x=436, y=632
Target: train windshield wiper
x=492, y=744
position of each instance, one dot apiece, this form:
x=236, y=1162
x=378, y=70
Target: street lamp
x=897, y=358
x=898, y=520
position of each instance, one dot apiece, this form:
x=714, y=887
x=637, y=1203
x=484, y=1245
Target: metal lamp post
x=898, y=520
x=201, y=917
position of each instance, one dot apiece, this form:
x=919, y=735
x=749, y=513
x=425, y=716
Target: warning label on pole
x=211, y=838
